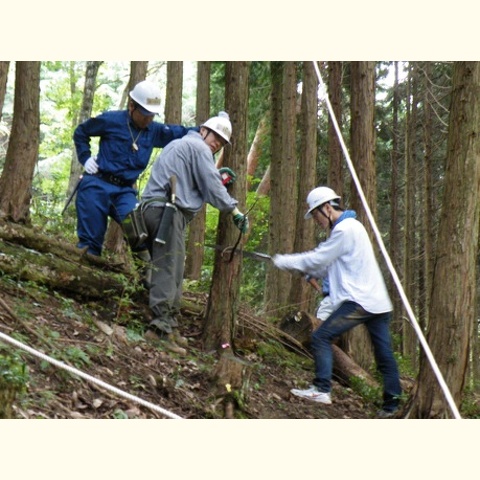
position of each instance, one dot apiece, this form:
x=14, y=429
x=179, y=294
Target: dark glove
x=228, y=176
x=240, y=220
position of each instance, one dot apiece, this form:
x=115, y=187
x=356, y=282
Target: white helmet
x=220, y=125
x=147, y=95
x=318, y=196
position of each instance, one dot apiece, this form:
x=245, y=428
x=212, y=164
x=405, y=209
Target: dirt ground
x=89, y=337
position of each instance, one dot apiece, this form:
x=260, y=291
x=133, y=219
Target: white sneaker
x=314, y=395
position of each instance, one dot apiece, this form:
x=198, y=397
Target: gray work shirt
x=198, y=180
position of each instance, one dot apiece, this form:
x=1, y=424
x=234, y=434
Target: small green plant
x=13, y=381
x=77, y=356
x=120, y=414
x=368, y=392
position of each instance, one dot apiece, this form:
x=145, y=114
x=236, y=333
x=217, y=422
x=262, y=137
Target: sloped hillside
x=73, y=331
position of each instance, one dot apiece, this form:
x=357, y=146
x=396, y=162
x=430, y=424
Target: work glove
x=91, y=166
x=240, y=220
x=228, y=176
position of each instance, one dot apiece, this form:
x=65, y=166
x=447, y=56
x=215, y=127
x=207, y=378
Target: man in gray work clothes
x=198, y=181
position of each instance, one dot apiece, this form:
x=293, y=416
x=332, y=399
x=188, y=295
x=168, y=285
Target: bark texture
x=22, y=152
x=453, y=301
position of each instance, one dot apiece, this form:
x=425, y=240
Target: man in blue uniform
x=127, y=138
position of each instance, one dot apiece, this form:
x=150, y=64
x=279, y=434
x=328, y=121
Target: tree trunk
x=410, y=342
x=335, y=156
x=356, y=342
x=138, y=73
x=173, y=98
x=453, y=302
x=22, y=152
x=397, y=240
x=428, y=208
x=221, y=313
x=301, y=293
x=196, y=228
x=283, y=194
x=264, y=186
x=256, y=149
x=3, y=83
x=85, y=113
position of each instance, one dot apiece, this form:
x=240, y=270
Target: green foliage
x=272, y=351
x=77, y=357
x=254, y=271
x=470, y=407
x=13, y=372
x=369, y=393
x=120, y=414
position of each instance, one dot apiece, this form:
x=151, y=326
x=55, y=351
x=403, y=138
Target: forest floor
x=88, y=338
x=105, y=340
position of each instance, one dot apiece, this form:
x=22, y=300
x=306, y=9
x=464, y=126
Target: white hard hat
x=220, y=125
x=318, y=196
x=147, y=95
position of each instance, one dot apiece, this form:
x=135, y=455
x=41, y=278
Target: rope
x=378, y=236
x=87, y=377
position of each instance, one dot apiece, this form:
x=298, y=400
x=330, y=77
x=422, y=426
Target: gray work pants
x=168, y=262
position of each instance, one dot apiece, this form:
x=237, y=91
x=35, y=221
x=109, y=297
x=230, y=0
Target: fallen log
x=33, y=239
x=27, y=255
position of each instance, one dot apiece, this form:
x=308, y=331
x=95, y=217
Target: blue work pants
x=96, y=201
x=346, y=317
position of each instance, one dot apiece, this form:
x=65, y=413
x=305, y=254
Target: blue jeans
x=346, y=317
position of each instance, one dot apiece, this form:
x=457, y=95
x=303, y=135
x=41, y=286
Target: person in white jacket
x=357, y=292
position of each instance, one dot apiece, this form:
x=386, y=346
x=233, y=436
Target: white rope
x=378, y=236
x=88, y=377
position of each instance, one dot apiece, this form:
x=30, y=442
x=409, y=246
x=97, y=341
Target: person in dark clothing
x=127, y=138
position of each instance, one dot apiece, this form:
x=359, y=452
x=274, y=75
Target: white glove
x=280, y=262
x=91, y=166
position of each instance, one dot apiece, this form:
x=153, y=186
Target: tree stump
x=231, y=378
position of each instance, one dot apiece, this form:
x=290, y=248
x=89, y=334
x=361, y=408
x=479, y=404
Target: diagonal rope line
x=390, y=265
x=87, y=377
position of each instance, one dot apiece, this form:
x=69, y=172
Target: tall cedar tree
x=453, y=301
x=283, y=175
x=4, y=66
x=301, y=293
x=335, y=157
x=22, y=152
x=221, y=314
x=362, y=136
x=85, y=113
